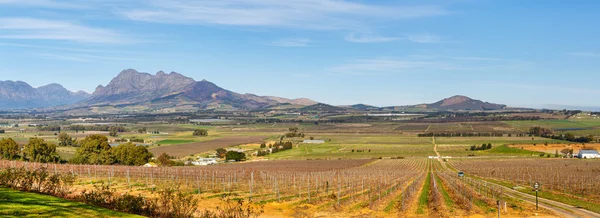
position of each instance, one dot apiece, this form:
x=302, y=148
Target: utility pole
x=536, y=186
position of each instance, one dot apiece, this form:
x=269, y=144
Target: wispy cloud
x=424, y=38
x=366, y=38
x=309, y=14
x=424, y=63
x=380, y=65
x=303, y=75
x=78, y=57
x=32, y=28
x=44, y=4
x=291, y=43
x=478, y=59
x=585, y=54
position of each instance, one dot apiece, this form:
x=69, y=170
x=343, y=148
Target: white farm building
x=313, y=141
x=588, y=154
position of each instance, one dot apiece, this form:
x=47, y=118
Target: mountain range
x=173, y=91
x=18, y=95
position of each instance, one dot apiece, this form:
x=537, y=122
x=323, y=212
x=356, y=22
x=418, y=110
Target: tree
x=2, y=131
x=94, y=149
x=221, y=152
x=64, y=139
x=200, y=132
x=556, y=153
x=312, y=138
x=38, y=150
x=130, y=154
x=142, y=130
x=164, y=160
x=263, y=145
x=9, y=149
x=566, y=152
x=234, y=155
x=569, y=137
x=489, y=146
x=113, y=131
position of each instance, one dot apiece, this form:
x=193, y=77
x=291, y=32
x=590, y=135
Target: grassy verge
x=423, y=198
x=24, y=204
x=447, y=199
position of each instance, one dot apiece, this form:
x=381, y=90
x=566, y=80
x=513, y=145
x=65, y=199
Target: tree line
x=483, y=147
x=94, y=149
x=549, y=133
x=36, y=150
x=463, y=134
x=77, y=128
x=277, y=147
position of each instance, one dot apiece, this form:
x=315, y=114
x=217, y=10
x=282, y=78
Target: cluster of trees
x=200, y=132
x=165, y=160
x=234, y=155
x=95, y=149
x=2, y=131
x=481, y=148
x=132, y=139
x=104, y=128
x=230, y=155
x=65, y=140
x=36, y=150
x=464, y=134
x=49, y=128
x=294, y=132
x=277, y=147
x=9, y=149
x=548, y=133
x=540, y=131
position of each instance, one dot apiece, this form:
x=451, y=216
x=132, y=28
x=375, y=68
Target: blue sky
x=521, y=53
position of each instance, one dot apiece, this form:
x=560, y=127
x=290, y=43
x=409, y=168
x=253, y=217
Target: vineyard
x=374, y=187
x=568, y=177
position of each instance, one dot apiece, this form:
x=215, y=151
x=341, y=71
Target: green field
x=23, y=204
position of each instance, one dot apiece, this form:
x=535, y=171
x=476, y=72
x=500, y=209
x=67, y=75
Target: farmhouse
x=205, y=161
x=588, y=154
x=313, y=141
x=150, y=165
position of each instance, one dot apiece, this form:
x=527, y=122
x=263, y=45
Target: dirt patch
x=552, y=148
x=198, y=147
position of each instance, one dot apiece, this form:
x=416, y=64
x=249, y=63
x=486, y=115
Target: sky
x=340, y=52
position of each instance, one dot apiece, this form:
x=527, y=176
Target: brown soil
x=198, y=147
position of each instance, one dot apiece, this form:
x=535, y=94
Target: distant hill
x=175, y=90
x=460, y=102
x=20, y=95
x=454, y=103
x=322, y=108
x=363, y=107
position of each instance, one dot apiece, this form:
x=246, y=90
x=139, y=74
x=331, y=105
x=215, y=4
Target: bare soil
x=183, y=150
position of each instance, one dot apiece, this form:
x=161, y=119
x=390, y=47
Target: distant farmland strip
x=198, y=147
